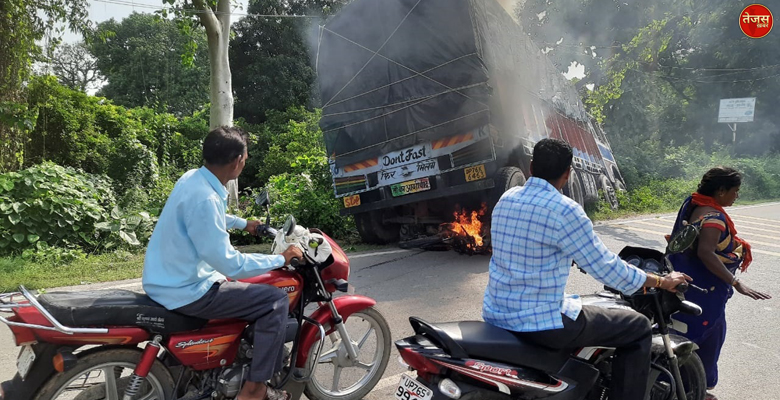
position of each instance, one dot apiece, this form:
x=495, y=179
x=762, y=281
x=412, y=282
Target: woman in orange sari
x=713, y=263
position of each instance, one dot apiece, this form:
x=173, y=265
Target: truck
x=430, y=106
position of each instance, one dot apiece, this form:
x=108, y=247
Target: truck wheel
x=574, y=188
x=610, y=194
x=363, y=225
x=373, y=231
x=506, y=178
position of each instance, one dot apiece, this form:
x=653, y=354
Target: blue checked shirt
x=536, y=232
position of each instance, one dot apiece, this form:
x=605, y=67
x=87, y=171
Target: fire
x=466, y=231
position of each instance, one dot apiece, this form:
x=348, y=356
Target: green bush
x=307, y=194
x=51, y=204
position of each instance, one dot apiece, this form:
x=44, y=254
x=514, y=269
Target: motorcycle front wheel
x=693, y=377
x=106, y=375
x=339, y=378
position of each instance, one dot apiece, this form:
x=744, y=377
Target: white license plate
x=410, y=389
x=25, y=361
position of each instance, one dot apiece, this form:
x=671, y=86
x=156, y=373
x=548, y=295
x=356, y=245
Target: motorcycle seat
x=116, y=308
x=480, y=340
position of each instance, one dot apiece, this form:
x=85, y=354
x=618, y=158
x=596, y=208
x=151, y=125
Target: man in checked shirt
x=536, y=232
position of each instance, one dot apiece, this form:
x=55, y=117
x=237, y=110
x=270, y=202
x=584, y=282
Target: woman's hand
x=755, y=295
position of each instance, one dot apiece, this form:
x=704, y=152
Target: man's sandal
x=710, y=396
x=276, y=394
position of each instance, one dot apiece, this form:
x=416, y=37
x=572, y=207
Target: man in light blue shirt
x=190, y=255
x=535, y=233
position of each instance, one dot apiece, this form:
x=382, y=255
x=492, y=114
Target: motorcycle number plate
x=410, y=389
x=25, y=361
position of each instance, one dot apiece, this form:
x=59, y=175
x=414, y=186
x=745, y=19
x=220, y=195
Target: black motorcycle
x=476, y=360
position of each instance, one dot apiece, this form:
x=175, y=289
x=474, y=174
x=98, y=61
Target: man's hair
x=551, y=159
x=223, y=145
x=719, y=178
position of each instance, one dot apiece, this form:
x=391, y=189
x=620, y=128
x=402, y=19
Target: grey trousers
x=628, y=331
x=265, y=305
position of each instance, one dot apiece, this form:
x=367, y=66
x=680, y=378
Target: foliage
x=306, y=192
x=134, y=229
x=277, y=143
x=75, y=67
x=132, y=146
x=48, y=206
x=660, y=70
x=23, y=26
x=143, y=59
x=272, y=69
x=51, y=204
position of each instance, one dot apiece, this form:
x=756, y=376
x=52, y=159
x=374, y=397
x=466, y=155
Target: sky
x=103, y=10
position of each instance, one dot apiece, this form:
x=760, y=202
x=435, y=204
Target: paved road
x=445, y=286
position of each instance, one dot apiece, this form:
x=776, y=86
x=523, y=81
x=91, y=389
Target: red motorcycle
x=116, y=344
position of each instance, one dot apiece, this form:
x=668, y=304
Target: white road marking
x=390, y=381
x=381, y=253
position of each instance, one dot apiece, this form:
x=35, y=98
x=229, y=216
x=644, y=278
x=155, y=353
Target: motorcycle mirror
x=683, y=239
x=262, y=199
x=289, y=225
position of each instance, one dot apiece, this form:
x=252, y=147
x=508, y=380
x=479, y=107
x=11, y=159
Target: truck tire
x=574, y=188
x=363, y=225
x=610, y=192
x=373, y=231
x=506, y=178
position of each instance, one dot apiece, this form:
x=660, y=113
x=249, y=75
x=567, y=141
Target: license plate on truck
x=475, y=173
x=25, y=361
x=408, y=187
x=410, y=389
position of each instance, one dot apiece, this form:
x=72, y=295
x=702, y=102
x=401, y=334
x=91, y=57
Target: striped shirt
x=536, y=232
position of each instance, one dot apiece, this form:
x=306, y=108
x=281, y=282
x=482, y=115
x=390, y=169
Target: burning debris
x=466, y=234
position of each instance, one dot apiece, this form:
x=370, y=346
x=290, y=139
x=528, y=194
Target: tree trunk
x=221, y=83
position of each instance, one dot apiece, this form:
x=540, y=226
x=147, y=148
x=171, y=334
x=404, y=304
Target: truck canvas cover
x=396, y=73
x=393, y=73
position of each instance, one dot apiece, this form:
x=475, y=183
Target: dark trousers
x=265, y=305
x=628, y=331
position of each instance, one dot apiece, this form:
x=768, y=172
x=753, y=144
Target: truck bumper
x=483, y=184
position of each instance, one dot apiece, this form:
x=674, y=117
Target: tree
x=75, y=67
x=275, y=71
x=23, y=26
x=144, y=60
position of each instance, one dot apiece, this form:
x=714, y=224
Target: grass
x=15, y=271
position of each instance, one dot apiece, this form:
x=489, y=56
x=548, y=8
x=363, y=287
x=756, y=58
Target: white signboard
x=737, y=110
x=410, y=163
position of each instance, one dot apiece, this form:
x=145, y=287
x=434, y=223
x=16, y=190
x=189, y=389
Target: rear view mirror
x=262, y=199
x=683, y=239
x=289, y=225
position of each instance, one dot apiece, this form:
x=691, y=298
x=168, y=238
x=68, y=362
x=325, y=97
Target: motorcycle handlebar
x=295, y=262
x=265, y=230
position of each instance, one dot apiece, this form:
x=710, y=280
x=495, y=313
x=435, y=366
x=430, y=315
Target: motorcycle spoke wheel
x=339, y=378
x=105, y=376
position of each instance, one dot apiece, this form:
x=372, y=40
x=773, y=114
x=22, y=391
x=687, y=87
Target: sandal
x=276, y=394
x=710, y=396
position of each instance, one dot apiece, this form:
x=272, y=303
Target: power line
x=199, y=11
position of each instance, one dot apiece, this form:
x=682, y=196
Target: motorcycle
x=476, y=360
x=85, y=345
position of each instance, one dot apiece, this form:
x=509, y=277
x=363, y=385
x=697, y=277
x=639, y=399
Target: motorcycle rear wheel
x=100, y=372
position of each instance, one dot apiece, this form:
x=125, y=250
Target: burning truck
x=431, y=109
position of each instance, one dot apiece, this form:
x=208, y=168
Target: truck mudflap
x=422, y=196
